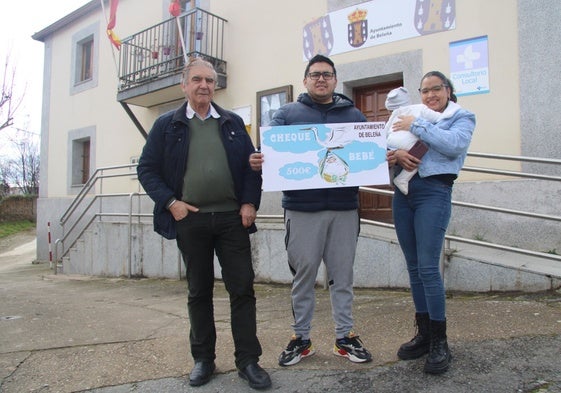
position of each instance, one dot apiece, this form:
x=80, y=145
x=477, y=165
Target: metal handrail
x=100, y=174
x=515, y=158
x=87, y=187
x=449, y=238
x=60, y=241
x=539, y=160
x=470, y=241
x=509, y=211
x=511, y=173
x=504, y=248
x=475, y=206
x=76, y=202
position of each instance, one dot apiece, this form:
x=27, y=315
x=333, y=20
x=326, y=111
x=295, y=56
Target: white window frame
x=75, y=167
x=79, y=39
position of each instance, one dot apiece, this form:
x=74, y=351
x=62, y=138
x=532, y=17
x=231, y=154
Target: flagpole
x=175, y=10
x=110, y=44
x=181, y=39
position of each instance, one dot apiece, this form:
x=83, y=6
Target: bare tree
x=9, y=100
x=21, y=170
x=4, y=185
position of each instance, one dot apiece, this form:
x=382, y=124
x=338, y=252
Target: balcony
x=151, y=61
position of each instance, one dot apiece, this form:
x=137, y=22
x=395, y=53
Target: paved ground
x=107, y=335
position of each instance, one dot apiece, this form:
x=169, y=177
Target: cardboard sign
x=307, y=156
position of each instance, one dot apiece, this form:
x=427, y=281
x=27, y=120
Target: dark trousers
x=199, y=235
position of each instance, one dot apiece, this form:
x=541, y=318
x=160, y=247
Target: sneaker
x=351, y=347
x=295, y=351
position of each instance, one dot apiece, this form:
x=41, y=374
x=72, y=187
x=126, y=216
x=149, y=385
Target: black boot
x=419, y=345
x=439, y=354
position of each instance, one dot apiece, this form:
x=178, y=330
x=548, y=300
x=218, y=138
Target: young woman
x=422, y=216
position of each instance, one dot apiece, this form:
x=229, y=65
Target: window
x=81, y=157
x=186, y=5
x=85, y=60
x=85, y=53
x=80, y=161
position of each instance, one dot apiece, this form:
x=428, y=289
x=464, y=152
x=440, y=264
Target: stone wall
x=18, y=208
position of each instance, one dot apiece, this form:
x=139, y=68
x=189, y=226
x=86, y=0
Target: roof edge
x=68, y=19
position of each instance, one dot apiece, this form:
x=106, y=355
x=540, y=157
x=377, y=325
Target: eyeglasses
x=316, y=75
x=434, y=89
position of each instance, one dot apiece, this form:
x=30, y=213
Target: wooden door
x=371, y=100
x=85, y=161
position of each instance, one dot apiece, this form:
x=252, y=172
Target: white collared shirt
x=190, y=113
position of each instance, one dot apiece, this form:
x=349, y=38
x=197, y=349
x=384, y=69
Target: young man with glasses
x=321, y=224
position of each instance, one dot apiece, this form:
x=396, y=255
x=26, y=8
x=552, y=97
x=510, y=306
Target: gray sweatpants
x=311, y=237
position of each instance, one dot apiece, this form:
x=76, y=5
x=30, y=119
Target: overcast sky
x=19, y=20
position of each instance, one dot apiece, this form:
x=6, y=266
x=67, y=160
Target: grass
x=9, y=228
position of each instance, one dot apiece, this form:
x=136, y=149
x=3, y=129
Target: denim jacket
x=448, y=140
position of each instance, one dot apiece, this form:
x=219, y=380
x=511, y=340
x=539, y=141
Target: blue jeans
x=421, y=219
x=199, y=236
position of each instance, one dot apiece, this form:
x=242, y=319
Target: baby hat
x=397, y=98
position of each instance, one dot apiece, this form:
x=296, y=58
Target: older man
x=195, y=167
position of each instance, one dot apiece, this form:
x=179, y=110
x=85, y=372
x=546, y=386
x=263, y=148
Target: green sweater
x=207, y=183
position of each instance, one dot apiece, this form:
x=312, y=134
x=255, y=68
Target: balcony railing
x=161, y=50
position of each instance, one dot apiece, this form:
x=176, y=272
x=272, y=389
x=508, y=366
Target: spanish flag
x=175, y=8
x=113, y=4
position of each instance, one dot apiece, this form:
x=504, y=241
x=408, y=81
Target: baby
x=399, y=102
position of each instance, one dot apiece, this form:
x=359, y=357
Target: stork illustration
x=336, y=137
x=332, y=168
